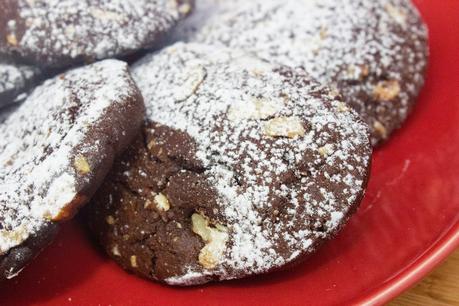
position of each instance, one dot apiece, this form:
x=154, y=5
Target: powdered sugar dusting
x=204, y=9
x=14, y=78
x=40, y=139
x=351, y=45
x=89, y=29
x=224, y=99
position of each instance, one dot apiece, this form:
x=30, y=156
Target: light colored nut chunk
x=326, y=150
x=110, y=220
x=11, y=39
x=215, y=239
x=151, y=144
x=342, y=107
x=194, y=76
x=162, y=203
x=116, y=250
x=398, y=15
x=284, y=127
x=133, y=261
x=184, y=8
x=254, y=108
x=386, y=90
x=380, y=129
x=334, y=92
x=82, y=165
x=18, y=235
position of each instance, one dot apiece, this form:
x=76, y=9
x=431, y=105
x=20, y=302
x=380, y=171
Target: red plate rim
x=414, y=272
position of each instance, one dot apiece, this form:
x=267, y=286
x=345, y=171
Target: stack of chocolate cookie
x=236, y=146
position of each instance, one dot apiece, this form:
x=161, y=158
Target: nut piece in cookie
x=284, y=127
x=215, y=239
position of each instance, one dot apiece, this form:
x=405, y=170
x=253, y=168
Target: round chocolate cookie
x=61, y=33
x=16, y=79
x=242, y=168
x=55, y=150
x=373, y=52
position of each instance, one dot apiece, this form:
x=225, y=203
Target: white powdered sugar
x=274, y=145
x=204, y=9
x=56, y=29
x=14, y=76
x=44, y=143
x=14, y=79
x=355, y=46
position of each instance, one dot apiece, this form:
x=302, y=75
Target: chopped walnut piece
x=115, y=250
x=342, y=107
x=15, y=235
x=151, y=145
x=284, y=127
x=110, y=220
x=133, y=261
x=398, y=15
x=11, y=39
x=326, y=150
x=380, y=129
x=162, y=203
x=82, y=165
x=184, y=8
x=386, y=90
x=215, y=239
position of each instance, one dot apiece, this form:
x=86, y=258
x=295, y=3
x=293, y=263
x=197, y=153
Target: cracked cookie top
x=60, y=33
x=56, y=147
x=242, y=167
x=373, y=52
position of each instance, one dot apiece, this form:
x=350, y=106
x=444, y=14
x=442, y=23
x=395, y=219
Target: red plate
x=407, y=224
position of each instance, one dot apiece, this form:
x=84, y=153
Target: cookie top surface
x=65, y=32
x=56, y=147
x=242, y=167
x=373, y=52
x=14, y=79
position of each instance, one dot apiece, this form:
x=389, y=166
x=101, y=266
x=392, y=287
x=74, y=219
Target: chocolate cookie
x=373, y=52
x=55, y=150
x=15, y=79
x=242, y=168
x=60, y=33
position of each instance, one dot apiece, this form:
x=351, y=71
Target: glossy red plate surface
x=408, y=223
